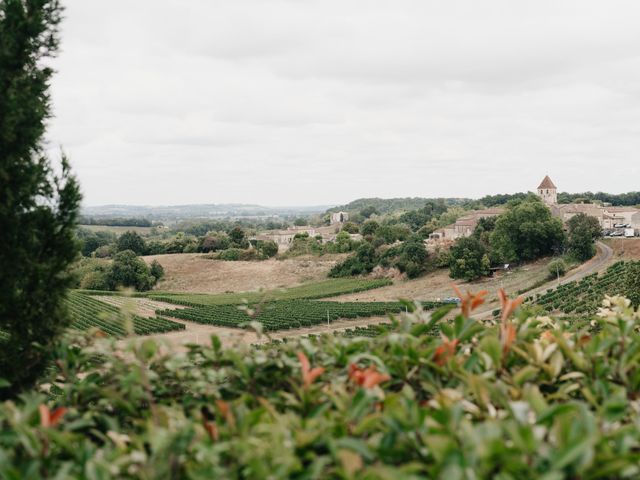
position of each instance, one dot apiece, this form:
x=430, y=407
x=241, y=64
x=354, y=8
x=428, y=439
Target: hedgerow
x=531, y=398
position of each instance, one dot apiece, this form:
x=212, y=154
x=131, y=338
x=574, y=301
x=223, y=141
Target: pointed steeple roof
x=547, y=183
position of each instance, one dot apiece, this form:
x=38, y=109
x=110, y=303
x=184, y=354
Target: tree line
x=525, y=232
x=116, y=221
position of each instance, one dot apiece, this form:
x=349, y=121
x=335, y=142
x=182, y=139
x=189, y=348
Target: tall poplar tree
x=38, y=202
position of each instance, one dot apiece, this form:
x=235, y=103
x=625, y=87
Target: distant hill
x=390, y=205
x=177, y=212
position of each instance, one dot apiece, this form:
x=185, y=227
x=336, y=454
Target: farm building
x=463, y=227
x=339, y=217
x=284, y=237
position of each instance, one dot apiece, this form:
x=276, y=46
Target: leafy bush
x=129, y=270
x=360, y=263
x=557, y=268
x=230, y=254
x=370, y=227
x=156, y=270
x=95, y=280
x=411, y=257
x=531, y=398
x=268, y=248
x=214, y=242
x=350, y=227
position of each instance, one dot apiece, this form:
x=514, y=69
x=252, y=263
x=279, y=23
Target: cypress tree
x=38, y=202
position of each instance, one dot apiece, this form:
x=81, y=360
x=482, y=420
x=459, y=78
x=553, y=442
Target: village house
x=463, y=227
x=609, y=218
x=284, y=238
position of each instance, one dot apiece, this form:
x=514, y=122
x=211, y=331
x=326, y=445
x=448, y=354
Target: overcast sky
x=300, y=102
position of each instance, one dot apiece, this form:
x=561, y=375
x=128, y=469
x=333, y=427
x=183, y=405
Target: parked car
x=451, y=300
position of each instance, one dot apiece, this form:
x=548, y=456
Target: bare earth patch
x=624, y=248
x=193, y=272
x=438, y=285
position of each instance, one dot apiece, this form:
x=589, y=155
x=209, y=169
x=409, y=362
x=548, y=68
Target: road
x=597, y=263
x=600, y=261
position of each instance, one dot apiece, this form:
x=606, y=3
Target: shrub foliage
x=530, y=398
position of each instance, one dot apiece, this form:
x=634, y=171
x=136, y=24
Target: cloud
x=318, y=102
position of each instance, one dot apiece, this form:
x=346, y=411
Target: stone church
x=610, y=218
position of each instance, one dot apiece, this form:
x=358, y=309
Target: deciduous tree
x=583, y=231
x=468, y=259
x=526, y=231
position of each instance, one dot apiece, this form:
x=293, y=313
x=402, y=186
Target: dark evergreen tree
x=131, y=241
x=156, y=270
x=38, y=208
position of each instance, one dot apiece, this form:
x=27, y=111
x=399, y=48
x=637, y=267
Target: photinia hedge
x=532, y=397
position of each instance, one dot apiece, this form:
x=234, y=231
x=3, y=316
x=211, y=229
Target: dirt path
x=599, y=262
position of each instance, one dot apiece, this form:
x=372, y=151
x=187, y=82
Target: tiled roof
x=546, y=183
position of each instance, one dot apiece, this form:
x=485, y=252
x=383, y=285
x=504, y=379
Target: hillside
x=192, y=272
x=390, y=205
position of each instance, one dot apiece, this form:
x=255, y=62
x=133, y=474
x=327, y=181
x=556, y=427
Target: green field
x=326, y=288
x=286, y=314
x=88, y=312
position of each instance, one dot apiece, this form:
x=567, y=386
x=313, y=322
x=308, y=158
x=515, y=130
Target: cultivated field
x=88, y=312
x=310, y=290
x=193, y=272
